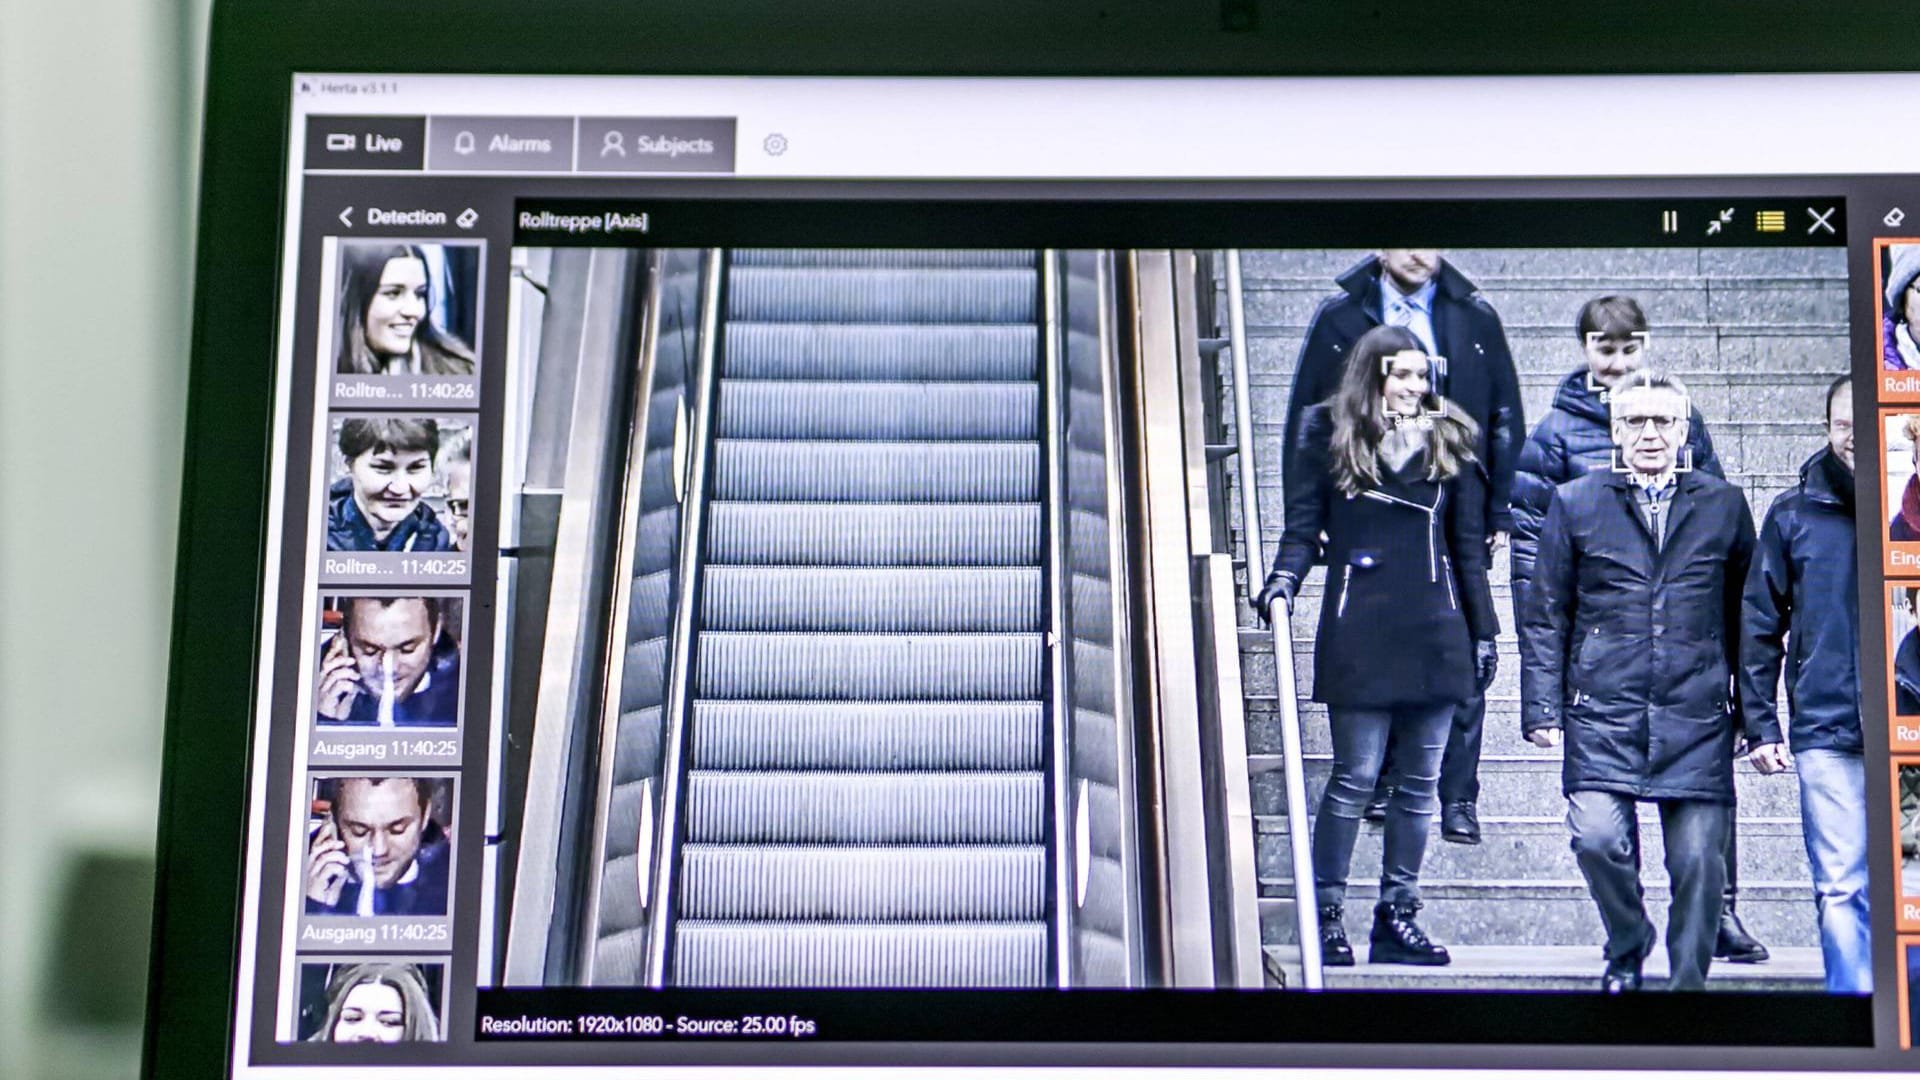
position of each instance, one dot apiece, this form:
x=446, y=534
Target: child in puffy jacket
x=1576, y=436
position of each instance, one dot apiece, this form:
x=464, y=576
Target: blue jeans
x=1833, y=817
x=1359, y=749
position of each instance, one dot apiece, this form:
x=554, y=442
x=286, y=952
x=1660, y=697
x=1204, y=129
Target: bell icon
x=463, y=143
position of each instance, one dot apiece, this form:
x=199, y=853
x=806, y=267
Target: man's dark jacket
x=1572, y=440
x=1802, y=609
x=1632, y=650
x=1480, y=376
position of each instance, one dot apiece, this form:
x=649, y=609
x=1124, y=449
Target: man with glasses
x=1629, y=637
x=1805, y=584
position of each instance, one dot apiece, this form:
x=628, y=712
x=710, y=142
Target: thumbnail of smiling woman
x=388, y=297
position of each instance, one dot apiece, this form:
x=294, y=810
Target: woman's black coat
x=1631, y=649
x=1407, y=591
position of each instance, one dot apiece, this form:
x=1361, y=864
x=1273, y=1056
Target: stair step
x=761, y=666
x=872, y=599
x=1537, y=913
x=863, y=884
x=884, y=295
x=1564, y=968
x=865, y=808
x=878, y=955
x=873, y=534
x=841, y=472
x=1523, y=787
x=859, y=736
x=1540, y=848
x=883, y=351
x=882, y=257
x=878, y=411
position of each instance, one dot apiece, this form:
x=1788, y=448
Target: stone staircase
x=1756, y=335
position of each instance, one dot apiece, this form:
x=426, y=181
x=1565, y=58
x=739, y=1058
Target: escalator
x=854, y=674
x=865, y=801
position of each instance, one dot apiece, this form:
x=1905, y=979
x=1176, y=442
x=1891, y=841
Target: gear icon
x=775, y=144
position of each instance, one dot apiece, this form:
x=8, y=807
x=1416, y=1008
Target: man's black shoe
x=1460, y=823
x=1623, y=975
x=1335, y=949
x=1377, y=806
x=1397, y=939
x=1733, y=944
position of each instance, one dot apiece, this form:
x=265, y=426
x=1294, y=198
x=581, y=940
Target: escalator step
x=849, y=735
x=865, y=808
x=869, y=667
x=864, y=884
x=872, y=599
x=947, y=257
x=876, y=471
x=873, y=534
x=873, y=955
x=878, y=411
x=806, y=294
x=1001, y=352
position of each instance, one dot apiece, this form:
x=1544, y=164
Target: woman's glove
x=1279, y=586
x=1486, y=662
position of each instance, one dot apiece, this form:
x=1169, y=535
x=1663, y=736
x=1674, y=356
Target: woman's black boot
x=1397, y=939
x=1335, y=950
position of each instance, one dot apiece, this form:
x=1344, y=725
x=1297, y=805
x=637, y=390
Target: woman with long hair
x=379, y=1003
x=386, y=316
x=1383, y=486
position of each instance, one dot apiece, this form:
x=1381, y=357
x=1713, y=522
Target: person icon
x=613, y=143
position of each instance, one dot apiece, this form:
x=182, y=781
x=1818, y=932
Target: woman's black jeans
x=1359, y=747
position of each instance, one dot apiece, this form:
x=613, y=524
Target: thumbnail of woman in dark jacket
x=1385, y=471
x=386, y=316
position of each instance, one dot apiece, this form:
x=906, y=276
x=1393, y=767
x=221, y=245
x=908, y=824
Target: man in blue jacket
x=1628, y=643
x=1804, y=589
x=1417, y=289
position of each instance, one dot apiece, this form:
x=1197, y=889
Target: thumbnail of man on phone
x=380, y=851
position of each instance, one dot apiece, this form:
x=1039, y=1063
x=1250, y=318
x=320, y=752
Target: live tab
x=387, y=143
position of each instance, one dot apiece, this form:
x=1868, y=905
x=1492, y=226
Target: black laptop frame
x=256, y=46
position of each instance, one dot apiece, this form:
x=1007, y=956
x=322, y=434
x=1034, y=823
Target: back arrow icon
x=346, y=217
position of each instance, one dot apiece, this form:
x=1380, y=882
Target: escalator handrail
x=1054, y=432
x=680, y=674
x=627, y=539
x=1292, y=757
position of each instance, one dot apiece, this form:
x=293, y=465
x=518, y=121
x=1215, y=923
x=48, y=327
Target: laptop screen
x=887, y=572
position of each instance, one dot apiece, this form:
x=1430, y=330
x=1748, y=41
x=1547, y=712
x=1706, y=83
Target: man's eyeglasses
x=1662, y=425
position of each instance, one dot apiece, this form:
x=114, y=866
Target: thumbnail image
x=406, y=309
x=399, y=484
x=371, y=1001
x=1899, y=306
x=389, y=661
x=379, y=845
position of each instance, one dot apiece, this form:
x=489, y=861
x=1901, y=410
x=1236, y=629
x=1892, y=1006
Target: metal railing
x=680, y=674
x=621, y=597
x=1306, y=912
x=1057, y=708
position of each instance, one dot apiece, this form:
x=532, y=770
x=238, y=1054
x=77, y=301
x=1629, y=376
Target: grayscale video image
x=917, y=630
